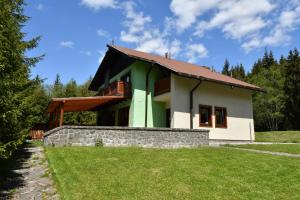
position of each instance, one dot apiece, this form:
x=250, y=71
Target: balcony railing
x=117, y=88
x=162, y=86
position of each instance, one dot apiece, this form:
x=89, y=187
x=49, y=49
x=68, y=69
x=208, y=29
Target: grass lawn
x=278, y=136
x=203, y=173
x=287, y=148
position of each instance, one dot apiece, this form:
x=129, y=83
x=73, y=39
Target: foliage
x=15, y=85
x=226, y=70
x=268, y=106
x=237, y=71
x=278, y=136
x=292, y=90
x=203, y=173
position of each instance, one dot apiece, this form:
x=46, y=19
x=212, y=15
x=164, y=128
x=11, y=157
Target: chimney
x=166, y=55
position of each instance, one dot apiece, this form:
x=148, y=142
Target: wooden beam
x=61, y=113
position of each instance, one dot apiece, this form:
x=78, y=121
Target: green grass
x=286, y=148
x=203, y=173
x=278, y=136
x=35, y=143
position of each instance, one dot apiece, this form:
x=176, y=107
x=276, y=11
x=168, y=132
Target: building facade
x=162, y=92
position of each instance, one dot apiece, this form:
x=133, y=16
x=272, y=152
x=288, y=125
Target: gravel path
x=268, y=152
x=35, y=178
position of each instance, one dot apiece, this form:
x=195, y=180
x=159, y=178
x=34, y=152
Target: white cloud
x=139, y=31
x=288, y=20
x=98, y=4
x=187, y=11
x=237, y=19
x=40, y=7
x=102, y=33
x=195, y=52
x=67, y=44
x=253, y=24
x=87, y=53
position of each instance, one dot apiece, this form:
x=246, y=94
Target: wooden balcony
x=117, y=88
x=162, y=86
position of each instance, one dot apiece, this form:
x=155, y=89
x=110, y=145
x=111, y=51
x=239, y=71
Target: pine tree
x=58, y=88
x=238, y=72
x=226, y=67
x=15, y=85
x=291, y=89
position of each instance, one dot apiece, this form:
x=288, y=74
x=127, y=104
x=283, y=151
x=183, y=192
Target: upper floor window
x=205, y=115
x=126, y=78
x=221, y=117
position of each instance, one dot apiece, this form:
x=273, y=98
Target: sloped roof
x=75, y=104
x=185, y=69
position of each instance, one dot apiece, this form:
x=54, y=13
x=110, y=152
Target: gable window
x=126, y=78
x=221, y=117
x=205, y=116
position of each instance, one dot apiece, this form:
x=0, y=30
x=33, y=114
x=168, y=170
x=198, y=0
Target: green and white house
x=159, y=91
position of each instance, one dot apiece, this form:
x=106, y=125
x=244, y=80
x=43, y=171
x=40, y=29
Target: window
x=205, y=115
x=126, y=78
x=221, y=117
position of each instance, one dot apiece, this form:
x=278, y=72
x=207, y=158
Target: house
x=139, y=89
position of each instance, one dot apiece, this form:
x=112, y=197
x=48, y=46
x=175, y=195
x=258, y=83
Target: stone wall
x=125, y=136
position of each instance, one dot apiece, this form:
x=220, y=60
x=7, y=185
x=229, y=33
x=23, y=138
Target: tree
x=226, y=67
x=58, y=88
x=238, y=72
x=291, y=90
x=268, y=106
x=15, y=85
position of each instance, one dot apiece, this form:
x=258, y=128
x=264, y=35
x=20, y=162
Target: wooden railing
x=117, y=88
x=162, y=86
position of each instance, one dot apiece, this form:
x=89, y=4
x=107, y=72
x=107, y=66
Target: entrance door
x=123, y=116
x=168, y=118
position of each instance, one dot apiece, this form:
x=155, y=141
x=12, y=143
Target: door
x=123, y=116
x=168, y=118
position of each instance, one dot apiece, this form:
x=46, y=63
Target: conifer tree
x=15, y=84
x=226, y=68
x=291, y=89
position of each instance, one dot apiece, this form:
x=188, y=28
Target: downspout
x=192, y=102
x=147, y=91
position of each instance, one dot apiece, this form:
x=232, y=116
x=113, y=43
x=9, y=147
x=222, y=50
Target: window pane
x=205, y=115
x=220, y=116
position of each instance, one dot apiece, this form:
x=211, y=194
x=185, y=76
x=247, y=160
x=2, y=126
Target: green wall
x=156, y=110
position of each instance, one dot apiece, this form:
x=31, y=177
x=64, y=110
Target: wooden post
x=61, y=114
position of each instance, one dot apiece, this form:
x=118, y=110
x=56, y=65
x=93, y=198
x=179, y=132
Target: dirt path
x=32, y=176
x=268, y=152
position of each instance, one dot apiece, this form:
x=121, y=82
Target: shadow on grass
x=10, y=176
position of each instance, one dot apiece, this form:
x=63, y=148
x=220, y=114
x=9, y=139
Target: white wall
x=238, y=102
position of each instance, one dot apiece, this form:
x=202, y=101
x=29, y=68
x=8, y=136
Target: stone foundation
x=125, y=136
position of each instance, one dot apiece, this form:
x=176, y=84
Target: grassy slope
x=204, y=173
x=278, y=136
x=287, y=148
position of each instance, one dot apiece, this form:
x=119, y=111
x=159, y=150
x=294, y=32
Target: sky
x=75, y=32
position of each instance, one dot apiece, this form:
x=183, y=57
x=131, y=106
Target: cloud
x=237, y=19
x=195, y=52
x=288, y=21
x=102, y=33
x=253, y=24
x=67, y=44
x=139, y=31
x=40, y=7
x=87, y=53
x=98, y=4
x=186, y=12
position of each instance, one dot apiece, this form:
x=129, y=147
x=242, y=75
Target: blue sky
x=75, y=32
